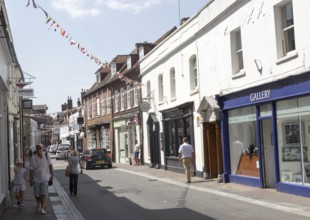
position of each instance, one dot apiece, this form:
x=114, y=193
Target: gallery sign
x=262, y=95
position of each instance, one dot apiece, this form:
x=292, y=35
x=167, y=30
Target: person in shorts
x=41, y=171
x=19, y=182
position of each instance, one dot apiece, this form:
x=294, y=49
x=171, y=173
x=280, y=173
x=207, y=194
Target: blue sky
x=105, y=28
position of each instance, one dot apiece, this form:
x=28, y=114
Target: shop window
x=293, y=132
x=242, y=139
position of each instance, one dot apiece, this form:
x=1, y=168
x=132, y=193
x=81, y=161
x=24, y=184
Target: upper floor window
x=128, y=97
x=94, y=108
x=172, y=83
x=160, y=88
x=89, y=108
x=109, y=103
x=113, y=69
x=141, y=52
x=98, y=78
x=98, y=107
x=193, y=73
x=236, y=51
x=103, y=101
x=116, y=98
x=128, y=62
x=122, y=99
x=135, y=95
x=148, y=88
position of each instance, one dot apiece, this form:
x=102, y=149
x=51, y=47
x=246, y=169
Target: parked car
x=62, y=151
x=96, y=157
x=53, y=148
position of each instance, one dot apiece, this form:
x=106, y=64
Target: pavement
x=59, y=204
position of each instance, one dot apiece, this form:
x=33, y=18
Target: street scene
x=140, y=192
x=151, y=109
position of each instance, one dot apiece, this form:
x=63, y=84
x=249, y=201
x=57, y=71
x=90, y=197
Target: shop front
x=266, y=136
x=177, y=123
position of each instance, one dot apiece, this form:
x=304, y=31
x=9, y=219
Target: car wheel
x=87, y=166
x=110, y=165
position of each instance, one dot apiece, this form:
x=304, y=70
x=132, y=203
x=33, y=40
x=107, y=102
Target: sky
x=104, y=28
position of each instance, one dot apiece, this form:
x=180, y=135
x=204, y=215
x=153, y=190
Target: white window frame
x=193, y=71
x=141, y=52
x=103, y=112
x=237, y=60
x=98, y=107
x=128, y=62
x=135, y=95
x=128, y=97
x=122, y=99
x=113, y=69
x=172, y=84
x=160, y=88
x=116, y=100
x=109, y=103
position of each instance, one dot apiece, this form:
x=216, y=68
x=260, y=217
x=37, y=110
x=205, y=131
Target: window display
x=293, y=116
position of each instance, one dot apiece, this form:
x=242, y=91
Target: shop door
x=267, y=150
x=210, y=150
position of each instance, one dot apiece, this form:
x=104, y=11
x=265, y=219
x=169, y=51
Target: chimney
x=78, y=102
x=64, y=107
x=183, y=20
x=69, y=102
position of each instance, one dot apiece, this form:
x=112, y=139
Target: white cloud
x=83, y=8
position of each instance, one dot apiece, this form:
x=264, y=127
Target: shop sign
x=262, y=95
x=175, y=113
x=25, y=92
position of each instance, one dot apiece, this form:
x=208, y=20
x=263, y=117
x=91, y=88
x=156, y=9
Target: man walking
x=186, y=153
x=41, y=171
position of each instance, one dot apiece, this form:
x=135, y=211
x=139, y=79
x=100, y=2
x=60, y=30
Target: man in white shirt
x=186, y=153
x=41, y=171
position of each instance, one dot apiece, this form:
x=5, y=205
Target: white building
x=252, y=75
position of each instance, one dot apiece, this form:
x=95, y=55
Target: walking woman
x=74, y=161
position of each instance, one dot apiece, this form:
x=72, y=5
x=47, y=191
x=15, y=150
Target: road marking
x=296, y=210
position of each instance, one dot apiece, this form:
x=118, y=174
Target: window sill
x=160, y=102
x=239, y=74
x=173, y=99
x=289, y=56
x=194, y=91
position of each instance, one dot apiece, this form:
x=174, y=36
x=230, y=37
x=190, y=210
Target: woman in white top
x=19, y=182
x=74, y=161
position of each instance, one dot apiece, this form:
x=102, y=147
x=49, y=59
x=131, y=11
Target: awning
x=209, y=109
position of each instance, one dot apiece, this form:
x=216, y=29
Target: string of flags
x=57, y=28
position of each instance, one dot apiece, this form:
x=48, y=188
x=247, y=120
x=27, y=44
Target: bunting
x=56, y=27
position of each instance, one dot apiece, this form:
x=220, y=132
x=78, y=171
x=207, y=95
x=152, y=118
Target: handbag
x=67, y=171
x=50, y=182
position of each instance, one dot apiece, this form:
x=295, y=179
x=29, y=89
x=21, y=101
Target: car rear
x=62, y=151
x=97, y=158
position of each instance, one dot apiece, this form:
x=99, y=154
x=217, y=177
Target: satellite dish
x=145, y=106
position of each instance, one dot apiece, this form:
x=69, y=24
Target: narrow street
x=119, y=194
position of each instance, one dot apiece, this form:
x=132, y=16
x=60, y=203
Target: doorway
x=267, y=153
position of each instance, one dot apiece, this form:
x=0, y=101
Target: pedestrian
x=41, y=171
x=137, y=152
x=19, y=182
x=186, y=154
x=74, y=161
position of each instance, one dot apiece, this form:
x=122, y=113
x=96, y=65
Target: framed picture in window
x=307, y=172
x=291, y=133
x=293, y=154
x=286, y=176
x=297, y=178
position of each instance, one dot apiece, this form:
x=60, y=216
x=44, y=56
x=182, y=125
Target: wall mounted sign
x=262, y=95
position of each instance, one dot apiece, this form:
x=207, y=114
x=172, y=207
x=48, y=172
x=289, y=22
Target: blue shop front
x=266, y=135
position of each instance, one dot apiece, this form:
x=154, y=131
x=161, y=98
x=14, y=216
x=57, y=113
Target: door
x=267, y=152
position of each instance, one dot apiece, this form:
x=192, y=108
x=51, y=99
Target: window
x=128, y=97
x=128, y=62
x=98, y=107
x=105, y=138
x=293, y=132
x=116, y=98
x=122, y=99
x=98, y=77
x=236, y=51
x=160, y=88
x=113, y=69
x=148, y=89
x=284, y=22
x=172, y=83
x=135, y=95
x=89, y=109
x=193, y=73
x=141, y=53
x=94, y=108
x=109, y=103
x=103, y=105
x=288, y=28
x=242, y=134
